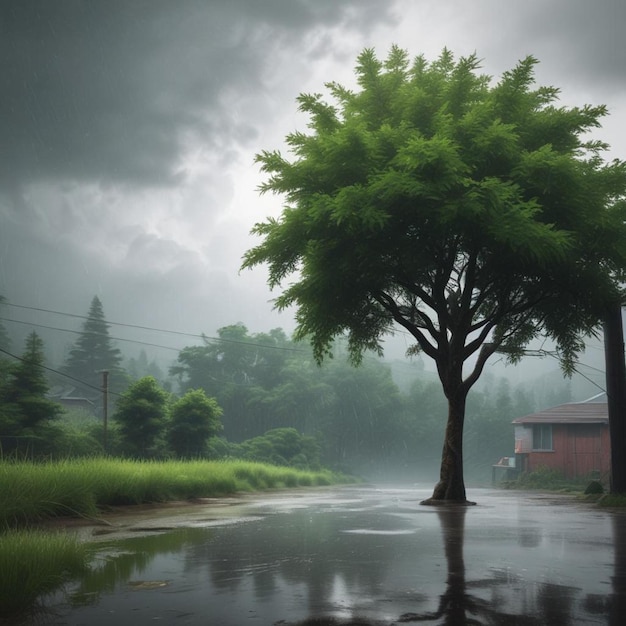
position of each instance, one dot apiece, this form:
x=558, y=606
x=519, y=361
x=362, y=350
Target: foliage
x=194, y=418
x=5, y=342
x=280, y=446
x=548, y=479
x=234, y=358
x=34, y=563
x=79, y=434
x=94, y=353
x=473, y=215
x=142, y=413
x=594, y=487
x=358, y=416
x=140, y=366
x=613, y=500
x=26, y=411
x=31, y=492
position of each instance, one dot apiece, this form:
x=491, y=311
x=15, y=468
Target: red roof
x=571, y=413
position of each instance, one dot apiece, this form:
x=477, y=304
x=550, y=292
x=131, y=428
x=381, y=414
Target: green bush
x=542, y=477
x=594, y=487
x=281, y=446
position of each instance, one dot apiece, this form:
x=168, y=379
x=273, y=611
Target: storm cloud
x=128, y=130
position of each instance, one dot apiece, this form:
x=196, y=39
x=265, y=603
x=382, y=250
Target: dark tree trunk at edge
x=451, y=485
x=616, y=394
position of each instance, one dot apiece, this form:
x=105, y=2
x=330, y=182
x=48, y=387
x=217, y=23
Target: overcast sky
x=128, y=130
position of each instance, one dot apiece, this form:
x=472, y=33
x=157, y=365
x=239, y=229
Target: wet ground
x=355, y=555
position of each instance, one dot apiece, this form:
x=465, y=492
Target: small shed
x=66, y=398
x=572, y=438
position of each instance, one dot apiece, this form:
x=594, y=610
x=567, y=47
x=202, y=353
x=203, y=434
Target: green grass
x=33, y=563
x=611, y=500
x=31, y=492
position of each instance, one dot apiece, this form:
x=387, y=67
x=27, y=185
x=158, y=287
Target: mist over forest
x=383, y=420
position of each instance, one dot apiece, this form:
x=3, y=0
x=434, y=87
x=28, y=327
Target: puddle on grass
x=382, y=562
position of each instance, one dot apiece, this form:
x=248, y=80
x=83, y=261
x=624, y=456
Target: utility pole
x=616, y=394
x=105, y=406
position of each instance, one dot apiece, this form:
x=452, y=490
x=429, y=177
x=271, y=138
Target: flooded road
x=358, y=555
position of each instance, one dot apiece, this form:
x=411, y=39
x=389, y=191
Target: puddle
x=370, y=531
x=356, y=555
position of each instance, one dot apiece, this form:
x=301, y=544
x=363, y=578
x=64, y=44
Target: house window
x=542, y=436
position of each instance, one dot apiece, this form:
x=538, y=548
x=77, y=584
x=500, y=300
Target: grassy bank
x=31, y=492
x=33, y=563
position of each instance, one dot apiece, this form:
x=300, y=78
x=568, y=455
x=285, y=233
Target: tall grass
x=31, y=492
x=33, y=563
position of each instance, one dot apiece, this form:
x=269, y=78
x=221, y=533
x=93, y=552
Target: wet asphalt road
x=357, y=555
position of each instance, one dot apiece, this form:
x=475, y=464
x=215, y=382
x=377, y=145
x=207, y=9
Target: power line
x=123, y=324
x=140, y=327
x=576, y=366
x=51, y=369
x=78, y=332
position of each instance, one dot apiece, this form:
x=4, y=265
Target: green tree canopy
x=474, y=215
x=281, y=446
x=234, y=358
x=142, y=413
x=194, y=418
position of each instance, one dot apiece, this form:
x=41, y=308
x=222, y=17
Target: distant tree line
x=257, y=396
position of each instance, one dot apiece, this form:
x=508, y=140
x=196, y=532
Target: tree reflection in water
x=457, y=607
x=617, y=601
x=366, y=563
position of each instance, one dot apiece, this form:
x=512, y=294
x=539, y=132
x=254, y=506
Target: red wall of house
x=578, y=450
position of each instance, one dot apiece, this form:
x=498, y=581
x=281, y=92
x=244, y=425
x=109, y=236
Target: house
x=66, y=398
x=572, y=438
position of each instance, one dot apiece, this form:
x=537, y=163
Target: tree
x=281, y=446
x=5, y=364
x=194, y=418
x=473, y=215
x=142, y=413
x=235, y=369
x=235, y=357
x=5, y=342
x=25, y=407
x=94, y=352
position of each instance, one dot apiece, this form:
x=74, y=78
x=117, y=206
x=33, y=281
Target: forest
x=257, y=396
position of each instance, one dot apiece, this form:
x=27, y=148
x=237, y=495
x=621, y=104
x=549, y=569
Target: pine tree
x=94, y=352
x=5, y=342
x=25, y=407
x=5, y=364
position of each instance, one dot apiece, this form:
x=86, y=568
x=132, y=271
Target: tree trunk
x=616, y=394
x=451, y=485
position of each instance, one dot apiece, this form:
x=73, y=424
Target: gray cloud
x=111, y=90
x=582, y=40
x=128, y=128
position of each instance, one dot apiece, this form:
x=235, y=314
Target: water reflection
x=127, y=560
x=458, y=607
x=384, y=562
x=454, y=602
x=617, y=601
